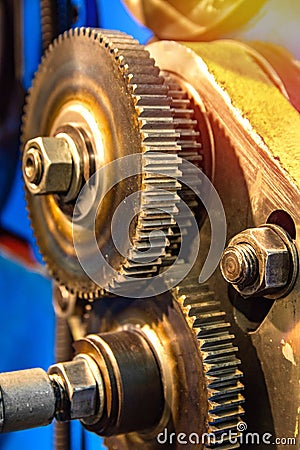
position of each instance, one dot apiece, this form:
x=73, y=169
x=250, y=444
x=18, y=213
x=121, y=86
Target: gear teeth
x=185, y=122
x=220, y=363
x=156, y=89
x=158, y=129
x=156, y=123
x=189, y=140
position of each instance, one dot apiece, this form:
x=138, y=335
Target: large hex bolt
x=261, y=262
x=81, y=387
x=47, y=165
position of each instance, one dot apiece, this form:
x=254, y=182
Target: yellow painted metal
x=253, y=92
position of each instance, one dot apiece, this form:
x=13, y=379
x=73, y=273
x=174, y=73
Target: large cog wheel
x=106, y=81
x=193, y=341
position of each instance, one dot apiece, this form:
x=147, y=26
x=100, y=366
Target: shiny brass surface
x=53, y=107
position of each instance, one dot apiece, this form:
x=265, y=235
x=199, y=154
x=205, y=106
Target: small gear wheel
x=218, y=353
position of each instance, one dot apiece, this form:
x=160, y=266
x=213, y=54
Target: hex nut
x=80, y=385
x=274, y=261
x=47, y=165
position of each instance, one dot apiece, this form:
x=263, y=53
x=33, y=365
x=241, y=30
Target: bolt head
x=47, y=165
x=80, y=386
x=273, y=257
x=234, y=265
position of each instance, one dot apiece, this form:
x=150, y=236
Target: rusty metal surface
x=257, y=144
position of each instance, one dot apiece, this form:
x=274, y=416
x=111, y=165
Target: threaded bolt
x=239, y=264
x=33, y=167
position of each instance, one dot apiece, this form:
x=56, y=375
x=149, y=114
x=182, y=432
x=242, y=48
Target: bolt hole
x=284, y=220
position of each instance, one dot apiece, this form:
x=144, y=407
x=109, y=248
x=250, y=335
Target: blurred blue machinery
x=27, y=318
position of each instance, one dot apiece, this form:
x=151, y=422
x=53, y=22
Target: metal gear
x=166, y=120
x=160, y=319
x=160, y=117
x=195, y=134
x=206, y=382
x=204, y=315
x=196, y=146
x=138, y=91
x=218, y=353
